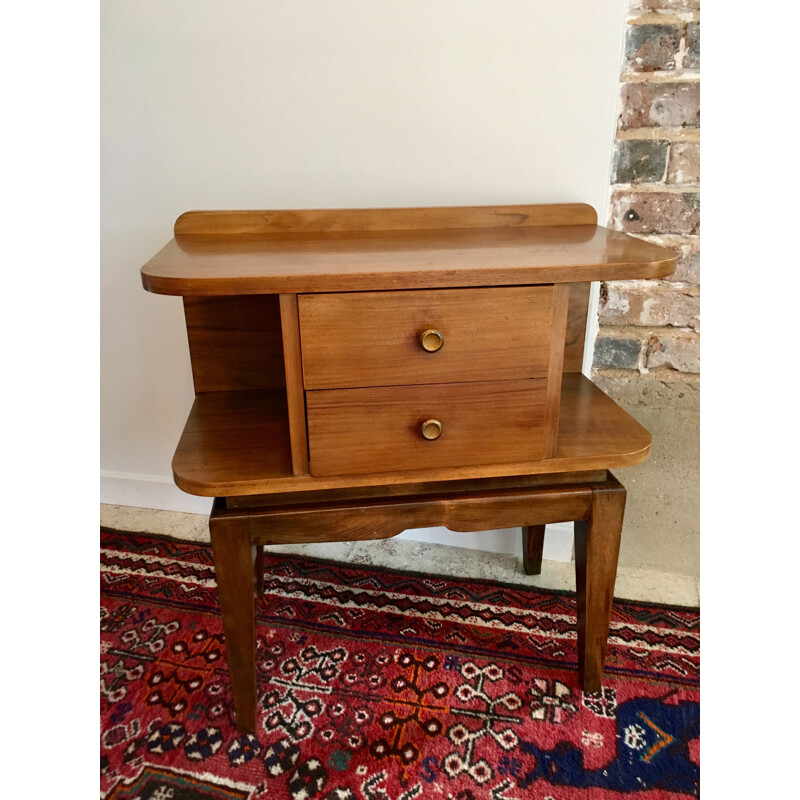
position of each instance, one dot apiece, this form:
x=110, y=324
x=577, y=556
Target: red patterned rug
x=384, y=685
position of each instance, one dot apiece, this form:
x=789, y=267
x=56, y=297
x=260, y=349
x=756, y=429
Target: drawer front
x=366, y=339
x=383, y=429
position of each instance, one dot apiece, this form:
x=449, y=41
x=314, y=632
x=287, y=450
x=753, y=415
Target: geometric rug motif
x=376, y=684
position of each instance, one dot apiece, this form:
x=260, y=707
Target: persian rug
x=383, y=685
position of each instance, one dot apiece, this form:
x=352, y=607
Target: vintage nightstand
x=361, y=372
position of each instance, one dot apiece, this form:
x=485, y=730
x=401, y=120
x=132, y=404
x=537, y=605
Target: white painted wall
x=313, y=104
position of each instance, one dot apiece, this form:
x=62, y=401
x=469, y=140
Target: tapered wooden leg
x=596, y=551
x=532, y=547
x=259, y=570
x=233, y=563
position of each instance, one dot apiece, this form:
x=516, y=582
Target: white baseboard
x=148, y=491
x=155, y=491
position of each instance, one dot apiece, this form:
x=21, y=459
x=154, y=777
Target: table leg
x=259, y=570
x=233, y=564
x=596, y=551
x=532, y=547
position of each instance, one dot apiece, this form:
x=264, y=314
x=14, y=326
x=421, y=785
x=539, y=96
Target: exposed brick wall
x=654, y=326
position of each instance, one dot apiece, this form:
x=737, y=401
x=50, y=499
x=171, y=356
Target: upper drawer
x=376, y=338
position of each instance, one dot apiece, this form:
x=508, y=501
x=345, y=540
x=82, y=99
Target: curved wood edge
x=595, y=433
x=381, y=219
x=197, y=487
x=378, y=281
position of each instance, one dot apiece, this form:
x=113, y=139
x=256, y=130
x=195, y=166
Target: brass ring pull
x=431, y=340
x=431, y=429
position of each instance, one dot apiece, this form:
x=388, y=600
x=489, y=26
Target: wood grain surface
x=352, y=431
x=405, y=259
x=532, y=548
x=237, y=223
x=373, y=338
x=351, y=493
x=382, y=518
x=575, y=335
x=234, y=439
x=234, y=342
x=555, y=369
x=597, y=541
x=295, y=397
x=237, y=443
x=233, y=571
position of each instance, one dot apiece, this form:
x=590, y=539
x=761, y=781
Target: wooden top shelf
x=237, y=443
x=225, y=253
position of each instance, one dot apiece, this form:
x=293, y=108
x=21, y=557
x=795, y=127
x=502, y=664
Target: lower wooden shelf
x=237, y=444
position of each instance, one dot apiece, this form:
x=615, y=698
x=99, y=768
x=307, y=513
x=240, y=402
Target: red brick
x=655, y=212
x=639, y=161
x=617, y=351
x=674, y=348
x=691, y=58
x=687, y=269
x=652, y=47
x=631, y=347
x=684, y=163
x=649, y=304
x=667, y=105
x=673, y=5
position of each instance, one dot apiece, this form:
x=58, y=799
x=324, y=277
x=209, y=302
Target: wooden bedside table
x=361, y=372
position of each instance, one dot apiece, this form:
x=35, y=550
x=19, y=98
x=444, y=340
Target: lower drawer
x=383, y=429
